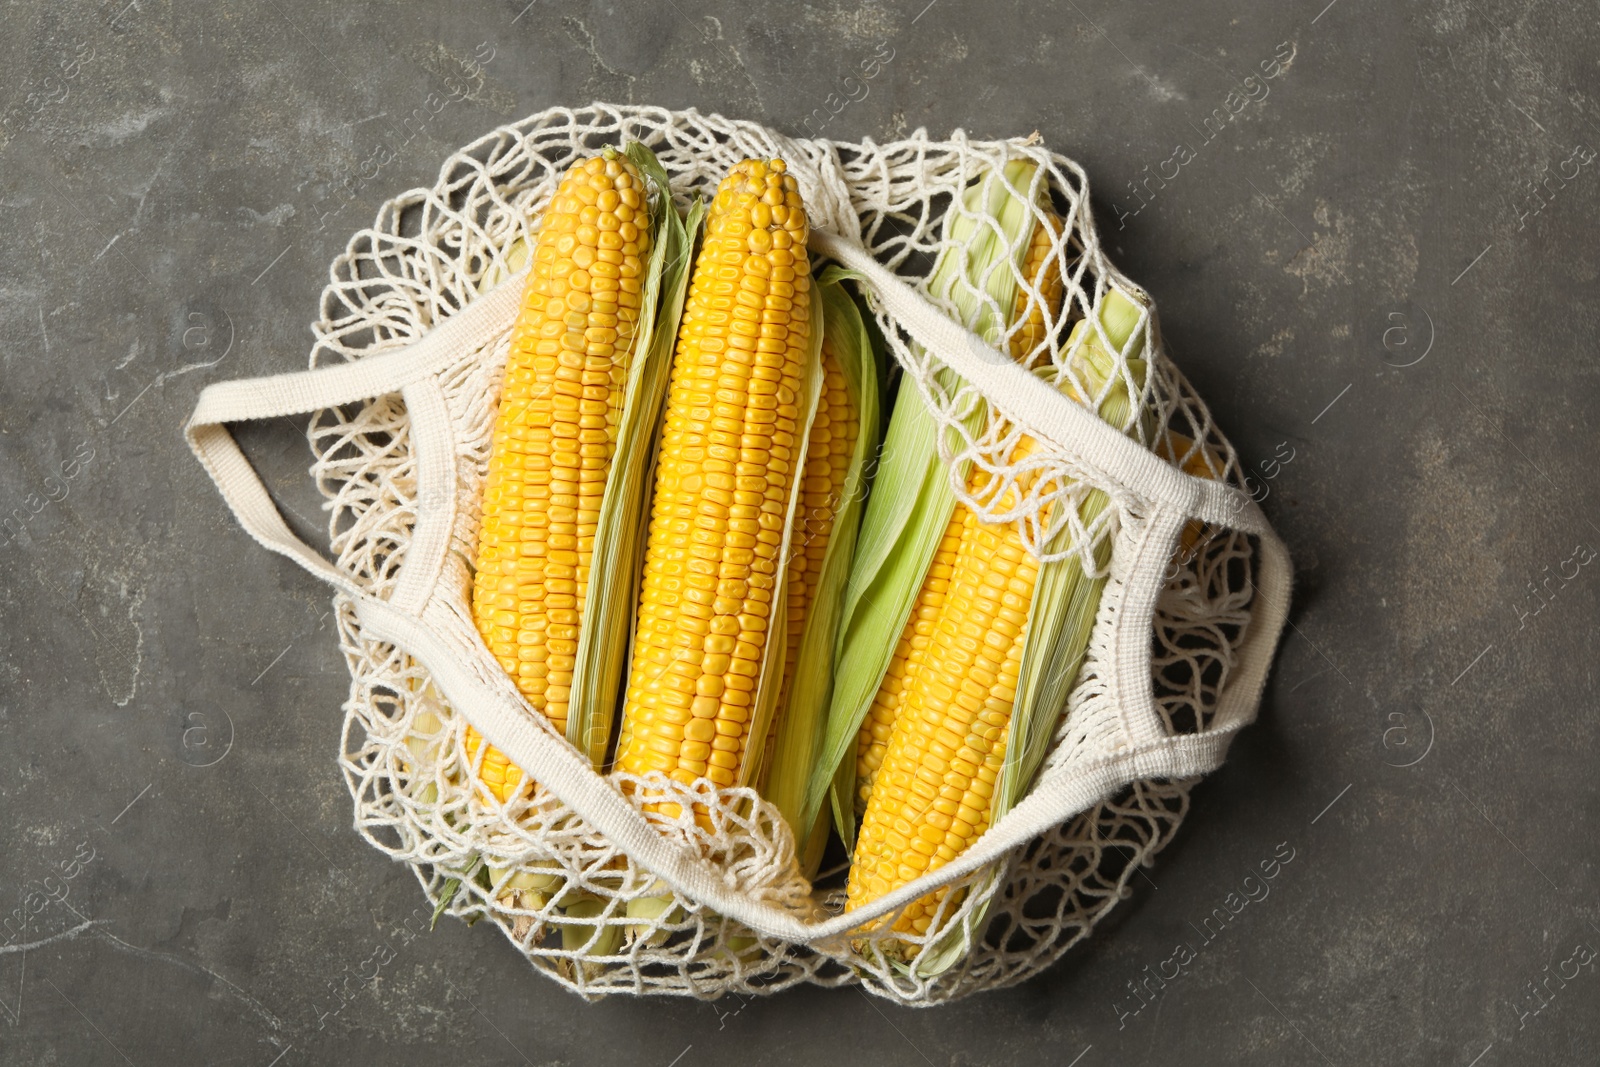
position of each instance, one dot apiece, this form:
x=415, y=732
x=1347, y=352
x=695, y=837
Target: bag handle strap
x=1176, y=495
x=311, y=390
x=1049, y=415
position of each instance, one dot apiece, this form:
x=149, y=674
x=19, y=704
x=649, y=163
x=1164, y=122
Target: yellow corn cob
x=1038, y=267
x=932, y=745
x=1202, y=462
x=723, y=483
x=908, y=653
x=1029, y=310
x=832, y=441
x=554, y=436
x=933, y=795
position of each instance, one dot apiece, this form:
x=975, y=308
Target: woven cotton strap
x=1174, y=497
x=1043, y=410
x=417, y=619
x=305, y=391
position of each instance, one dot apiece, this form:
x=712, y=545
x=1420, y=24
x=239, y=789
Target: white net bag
x=599, y=893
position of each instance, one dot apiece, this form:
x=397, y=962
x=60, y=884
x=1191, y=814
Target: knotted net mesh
x=592, y=917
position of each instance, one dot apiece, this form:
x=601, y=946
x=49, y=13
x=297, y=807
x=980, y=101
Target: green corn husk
x=446, y=897
x=649, y=910
x=803, y=723
x=475, y=872
x=1065, y=600
x=527, y=887
x=912, y=502
x=617, y=565
x=590, y=938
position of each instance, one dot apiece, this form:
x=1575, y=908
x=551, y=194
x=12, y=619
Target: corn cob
x=908, y=654
x=1035, y=314
x=828, y=450
x=1201, y=462
x=1032, y=313
x=554, y=436
x=823, y=539
x=723, y=485
x=939, y=787
x=978, y=275
x=832, y=441
x=932, y=795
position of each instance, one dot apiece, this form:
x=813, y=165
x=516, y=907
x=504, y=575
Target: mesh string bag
x=598, y=892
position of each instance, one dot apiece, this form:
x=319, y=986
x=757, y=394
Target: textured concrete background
x=1387, y=261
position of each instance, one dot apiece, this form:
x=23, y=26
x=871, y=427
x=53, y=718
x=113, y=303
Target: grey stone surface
x=1352, y=263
